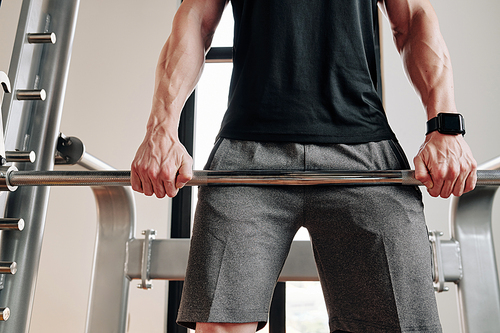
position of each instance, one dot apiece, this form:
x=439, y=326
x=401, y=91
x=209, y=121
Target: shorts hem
x=354, y=325
x=189, y=320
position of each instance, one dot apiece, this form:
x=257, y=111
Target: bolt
x=4, y=314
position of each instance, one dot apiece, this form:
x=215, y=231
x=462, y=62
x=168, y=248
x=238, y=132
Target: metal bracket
x=446, y=261
x=149, y=236
x=69, y=150
x=6, y=87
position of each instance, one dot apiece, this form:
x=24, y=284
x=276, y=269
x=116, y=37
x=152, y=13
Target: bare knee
x=226, y=328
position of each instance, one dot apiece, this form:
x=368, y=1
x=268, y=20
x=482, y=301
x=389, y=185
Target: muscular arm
x=444, y=163
x=162, y=165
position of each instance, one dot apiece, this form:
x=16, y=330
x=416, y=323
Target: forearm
x=179, y=66
x=425, y=56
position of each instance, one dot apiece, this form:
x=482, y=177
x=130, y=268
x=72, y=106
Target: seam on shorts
x=391, y=280
x=357, y=322
x=403, y=161
x=214, y=151
x=216, y=289
x=304, y=149
x=424, y=329
x=399, y=154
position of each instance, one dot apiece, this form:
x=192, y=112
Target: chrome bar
x=70, y=178
x=90, y=162
x=247, y=177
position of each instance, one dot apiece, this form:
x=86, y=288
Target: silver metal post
x=31, y=95
x=41, y=38
x=8, y=267
x=12, y=224
x=4, y=314
x=20, y=156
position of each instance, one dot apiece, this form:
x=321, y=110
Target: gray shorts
x=370, y=242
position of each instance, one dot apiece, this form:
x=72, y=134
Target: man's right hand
x=161, y=166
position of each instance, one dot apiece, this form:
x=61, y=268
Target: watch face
x=451, y=123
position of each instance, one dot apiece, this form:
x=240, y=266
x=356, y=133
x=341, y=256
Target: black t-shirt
x=306, y=71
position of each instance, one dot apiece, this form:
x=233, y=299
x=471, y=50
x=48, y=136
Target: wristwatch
x=447, y=123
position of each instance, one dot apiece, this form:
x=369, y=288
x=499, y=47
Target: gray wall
x=107, y=105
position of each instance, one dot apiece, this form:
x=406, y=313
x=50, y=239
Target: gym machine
x=39, y=70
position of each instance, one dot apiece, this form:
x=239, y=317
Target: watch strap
x=432, y=125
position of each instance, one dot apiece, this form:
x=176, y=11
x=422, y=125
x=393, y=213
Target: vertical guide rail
x=33, y=125
x=478, y=289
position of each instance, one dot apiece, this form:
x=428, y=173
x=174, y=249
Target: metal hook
x=4, y=80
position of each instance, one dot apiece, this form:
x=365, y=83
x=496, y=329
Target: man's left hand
x=445, y=165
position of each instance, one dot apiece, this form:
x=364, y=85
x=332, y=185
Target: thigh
x=373, y=257
x=237, y=251
x=371, y=246
x=241, y=237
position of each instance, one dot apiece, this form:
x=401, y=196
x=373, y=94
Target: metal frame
x=33, y=67
x=299, y=266
x=478, y=288
x=108, y=299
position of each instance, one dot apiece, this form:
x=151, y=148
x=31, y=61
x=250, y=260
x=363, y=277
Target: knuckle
x=473, y=164
x=453, y=172
x=440, y=172
x=165, y=173
x=152, y=174
x=142, y=169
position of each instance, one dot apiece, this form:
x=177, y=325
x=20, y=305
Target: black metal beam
x=277, y=315
x=220, y=54
x=181, y=214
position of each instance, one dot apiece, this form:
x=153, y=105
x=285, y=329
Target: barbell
x=11, y=178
